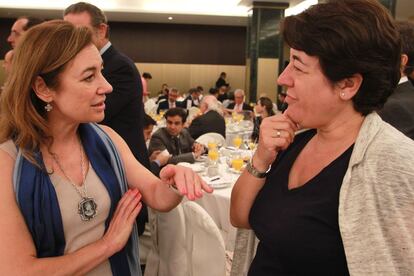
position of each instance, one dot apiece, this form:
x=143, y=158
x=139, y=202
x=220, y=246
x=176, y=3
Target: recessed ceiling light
x=170, y=18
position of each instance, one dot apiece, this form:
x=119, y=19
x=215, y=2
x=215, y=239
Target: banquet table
x=242, y=242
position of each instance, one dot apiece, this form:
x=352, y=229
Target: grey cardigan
x=376, y=204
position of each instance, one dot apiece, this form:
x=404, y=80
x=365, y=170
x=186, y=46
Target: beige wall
x=185, y=76
x=267, y=72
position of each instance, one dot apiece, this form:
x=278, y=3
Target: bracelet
x=254, y=172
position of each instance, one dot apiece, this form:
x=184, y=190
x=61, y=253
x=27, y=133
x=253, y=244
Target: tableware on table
x=196, y=167
x=237, y=163
x=237, y=141
x=218, y=182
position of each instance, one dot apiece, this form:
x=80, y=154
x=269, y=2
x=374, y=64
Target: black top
x=298, y=228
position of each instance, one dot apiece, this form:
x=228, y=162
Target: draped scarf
x=39, y=205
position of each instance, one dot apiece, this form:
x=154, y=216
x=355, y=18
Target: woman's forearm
x=242, y=197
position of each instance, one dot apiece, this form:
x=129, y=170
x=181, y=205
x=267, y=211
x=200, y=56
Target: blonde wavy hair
x=44, y=50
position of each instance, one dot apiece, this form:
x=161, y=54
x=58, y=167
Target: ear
x=42, y=90
x=102, y=29
x=404, y=60
x=349, y=87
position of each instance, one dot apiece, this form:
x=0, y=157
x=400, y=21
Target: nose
x=285, y=79
x=105, y=87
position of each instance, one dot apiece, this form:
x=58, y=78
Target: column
x=264, y=53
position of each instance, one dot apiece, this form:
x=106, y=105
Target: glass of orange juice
x=237, y=163
x=213, y=154
x=211, y=145
x=237, y=141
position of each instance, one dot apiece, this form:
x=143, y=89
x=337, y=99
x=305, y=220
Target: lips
x=98, y=104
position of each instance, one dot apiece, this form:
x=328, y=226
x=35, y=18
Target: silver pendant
x=87, y=208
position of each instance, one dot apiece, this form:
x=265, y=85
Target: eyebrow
x=295, y=57
x=91, y=68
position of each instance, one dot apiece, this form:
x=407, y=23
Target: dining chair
x=204, y=243
x=167, y=255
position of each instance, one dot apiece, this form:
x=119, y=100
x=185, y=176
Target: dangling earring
x=48, y=107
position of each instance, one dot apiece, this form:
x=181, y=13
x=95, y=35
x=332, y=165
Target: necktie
x=177, y=146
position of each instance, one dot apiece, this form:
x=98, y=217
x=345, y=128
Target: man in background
x=399, y=108
x=124, y=110
x=176, y=139
x=211, y=119
x=158, y=159
x=239, y=105
x=146, y=77
x=20, y=26
x=193, y=98
x=171, y=101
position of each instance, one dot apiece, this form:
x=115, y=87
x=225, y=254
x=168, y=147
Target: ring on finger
x=278, y=134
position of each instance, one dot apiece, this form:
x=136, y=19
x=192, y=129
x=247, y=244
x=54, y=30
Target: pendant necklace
x=87, y=207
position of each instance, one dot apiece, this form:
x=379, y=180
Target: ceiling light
x=170, y=18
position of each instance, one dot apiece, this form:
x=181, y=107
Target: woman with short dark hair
x=337, y=199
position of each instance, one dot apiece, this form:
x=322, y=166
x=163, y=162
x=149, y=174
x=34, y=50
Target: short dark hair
x=406, y=30
x=31, y=21
x=223, y=74
x=149, y=121
x=268, y=105
x=200, y=88
x=97, y=16
x=350, y=37
x=213, y=91
x=146, y=75
x=176, y=111
x=193, y=90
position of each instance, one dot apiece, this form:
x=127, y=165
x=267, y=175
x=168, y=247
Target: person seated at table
x=176, y=139
x=264, y=109
x=71, y=189
x=336, y=199
x=239, y=105
x=157, y=160
x=193, y=98
x=163, y=93
x=171, y=101
x=213, y=91
x=211, y=119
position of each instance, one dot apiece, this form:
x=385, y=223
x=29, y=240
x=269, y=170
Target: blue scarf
x=39, y=205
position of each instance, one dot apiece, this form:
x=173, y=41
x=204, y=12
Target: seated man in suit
x=211, y=119
x=171, y=101
x=157, y=159
x=176, y=139
x=239, y=105
x=193, y=98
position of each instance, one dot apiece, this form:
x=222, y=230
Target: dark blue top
x=298, y=228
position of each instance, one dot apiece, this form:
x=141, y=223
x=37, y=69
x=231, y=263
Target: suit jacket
x=165, y=105
x=124, y=111
x=211, y=121
x=193, y=103
x=162, y=140
x=245, y=106
x=399, y=109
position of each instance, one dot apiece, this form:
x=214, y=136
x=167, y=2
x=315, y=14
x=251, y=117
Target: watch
x=253, y=171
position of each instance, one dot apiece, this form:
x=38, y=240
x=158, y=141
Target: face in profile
x=80, y=95
x=312, y=99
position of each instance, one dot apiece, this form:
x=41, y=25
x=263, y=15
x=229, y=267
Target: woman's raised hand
x=185, y=181
x=122, y=221
x=276, y=133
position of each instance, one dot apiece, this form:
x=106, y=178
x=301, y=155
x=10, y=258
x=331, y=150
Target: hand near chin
x=185, y=181
x=276, y=133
